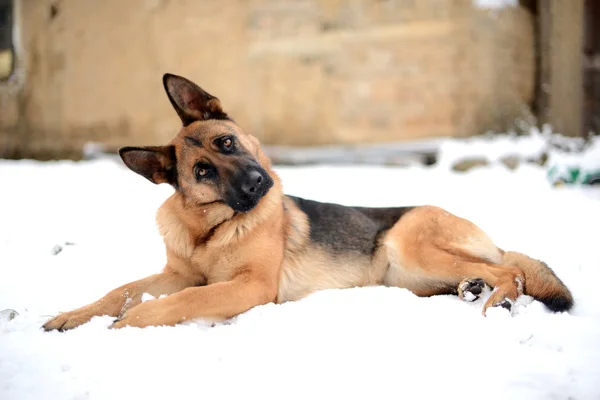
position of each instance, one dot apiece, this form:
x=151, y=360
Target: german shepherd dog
x=234, y=240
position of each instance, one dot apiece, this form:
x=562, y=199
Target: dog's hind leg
x=445, y=273
x=431, y=252
x=507, y=282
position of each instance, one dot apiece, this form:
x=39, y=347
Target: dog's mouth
x=245, y=197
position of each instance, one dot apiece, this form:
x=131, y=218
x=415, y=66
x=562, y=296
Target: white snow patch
x=519, y=284
x=494, y=147
x=494, y=4
x=469, y=296
x=376, y=342
x=146, y=297
x=497, y=312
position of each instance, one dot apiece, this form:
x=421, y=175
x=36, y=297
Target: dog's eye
x=227, y=144
x=203, y=171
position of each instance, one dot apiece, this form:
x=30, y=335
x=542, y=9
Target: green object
x=572, y=175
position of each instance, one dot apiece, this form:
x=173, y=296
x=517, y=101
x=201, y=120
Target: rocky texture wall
x=303, y=72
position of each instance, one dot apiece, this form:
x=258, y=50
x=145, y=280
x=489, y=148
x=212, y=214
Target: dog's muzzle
x=248, y=188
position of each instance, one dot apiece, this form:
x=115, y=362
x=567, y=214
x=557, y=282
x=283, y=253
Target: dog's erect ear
x=155, y=163
x=190, y=101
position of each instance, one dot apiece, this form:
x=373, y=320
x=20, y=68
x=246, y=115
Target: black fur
x=342, y=229
x=557, y=302
x=237, y=197
x=193, y=142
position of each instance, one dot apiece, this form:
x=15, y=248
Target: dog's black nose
x=253, y=181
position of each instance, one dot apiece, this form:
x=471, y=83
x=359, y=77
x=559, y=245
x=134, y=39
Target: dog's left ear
x=190, y=101
x=155, y=163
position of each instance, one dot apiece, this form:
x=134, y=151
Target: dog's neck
x=185, y=225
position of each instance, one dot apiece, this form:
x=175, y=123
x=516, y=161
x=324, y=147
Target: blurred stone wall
x=302, y=72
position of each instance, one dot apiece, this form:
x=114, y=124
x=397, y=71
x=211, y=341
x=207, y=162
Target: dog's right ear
x=155, y=163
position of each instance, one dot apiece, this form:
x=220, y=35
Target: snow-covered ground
x=495, y=4
x=70, y=232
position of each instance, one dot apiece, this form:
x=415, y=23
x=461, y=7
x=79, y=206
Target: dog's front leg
x=215, y=302
x=119, y=300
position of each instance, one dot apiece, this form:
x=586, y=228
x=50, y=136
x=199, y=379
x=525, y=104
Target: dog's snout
x=252, y=183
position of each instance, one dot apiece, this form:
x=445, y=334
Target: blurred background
x=298, y=74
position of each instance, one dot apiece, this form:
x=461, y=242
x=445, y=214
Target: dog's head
x=211, y=159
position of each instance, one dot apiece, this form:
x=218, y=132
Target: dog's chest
x=216, y=265
x=317, y=269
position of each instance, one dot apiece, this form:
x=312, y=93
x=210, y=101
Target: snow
x=575, y=153
x=495, y=147
x=469, y=296
x=376, y=342
x=495, y=4
x=146, y=297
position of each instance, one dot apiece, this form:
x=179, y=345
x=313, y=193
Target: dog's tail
x=541, y=282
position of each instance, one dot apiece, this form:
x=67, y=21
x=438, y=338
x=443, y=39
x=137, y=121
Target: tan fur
x=221, y=263
x=118, y=301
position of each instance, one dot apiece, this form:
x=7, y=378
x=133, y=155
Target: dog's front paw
x=69, y=320
x=149, y=313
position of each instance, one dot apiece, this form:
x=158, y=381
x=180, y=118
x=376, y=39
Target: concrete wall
x=301, y=72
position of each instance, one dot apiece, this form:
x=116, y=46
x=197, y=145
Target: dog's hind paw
x=471, y=288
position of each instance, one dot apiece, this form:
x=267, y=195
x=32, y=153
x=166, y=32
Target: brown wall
x=300, y=72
